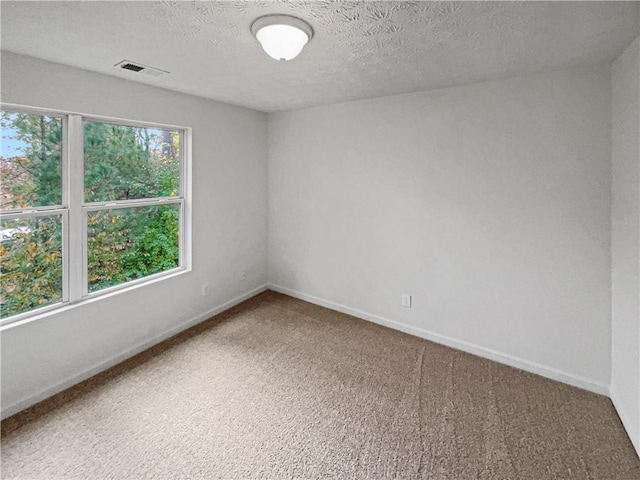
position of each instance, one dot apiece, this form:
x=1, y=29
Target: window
x=88, y=206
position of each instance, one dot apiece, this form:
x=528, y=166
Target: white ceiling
x=360, y=49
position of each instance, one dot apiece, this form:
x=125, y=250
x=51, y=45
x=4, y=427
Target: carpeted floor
x=279, y=388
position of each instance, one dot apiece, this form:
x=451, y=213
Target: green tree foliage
x=31, y=265
x=126, y=244
x=124, y=163
x=31, y=250
x=120, y=163
x=33, y=178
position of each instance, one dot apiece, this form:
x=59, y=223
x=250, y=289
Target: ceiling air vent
x=132, y=67
x=139, y=68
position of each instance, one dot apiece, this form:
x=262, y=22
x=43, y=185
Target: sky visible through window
x=10, y=147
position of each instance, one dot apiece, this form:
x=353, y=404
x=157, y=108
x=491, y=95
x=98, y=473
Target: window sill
x=91, y=298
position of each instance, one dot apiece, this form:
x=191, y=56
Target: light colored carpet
x=279, y=388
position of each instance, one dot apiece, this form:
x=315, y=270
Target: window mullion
x=77, y=224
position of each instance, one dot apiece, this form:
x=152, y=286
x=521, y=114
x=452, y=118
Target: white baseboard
x=543, y=370
x=32, y=400
x=626, y=422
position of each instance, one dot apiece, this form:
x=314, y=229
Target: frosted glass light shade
x=282, y=42
x=282, y=37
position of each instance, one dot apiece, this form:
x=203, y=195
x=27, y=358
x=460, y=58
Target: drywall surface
x=625, y=245
x=488, y=203
x=229, y=213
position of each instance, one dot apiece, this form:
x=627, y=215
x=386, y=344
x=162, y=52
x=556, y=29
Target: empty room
x=320, y=239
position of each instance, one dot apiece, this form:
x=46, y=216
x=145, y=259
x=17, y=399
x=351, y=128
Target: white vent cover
x=139, y=68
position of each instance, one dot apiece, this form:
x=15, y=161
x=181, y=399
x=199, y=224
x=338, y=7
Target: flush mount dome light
x=282, y=36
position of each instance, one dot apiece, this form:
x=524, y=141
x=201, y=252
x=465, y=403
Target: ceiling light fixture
x=282, y=36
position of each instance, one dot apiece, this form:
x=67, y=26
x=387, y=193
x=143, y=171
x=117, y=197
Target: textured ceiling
x=360, y=49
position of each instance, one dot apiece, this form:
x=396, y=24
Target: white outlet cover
x=406, y=300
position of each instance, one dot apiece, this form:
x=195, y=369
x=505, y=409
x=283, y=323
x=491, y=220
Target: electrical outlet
x=243, y=276
x=406, y=300
x=205, y=289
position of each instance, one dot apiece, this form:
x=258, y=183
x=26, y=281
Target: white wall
x=489, y=203
x=625, y=258
x=229, y=229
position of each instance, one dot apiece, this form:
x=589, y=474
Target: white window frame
x=74, y=210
